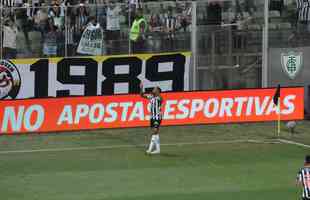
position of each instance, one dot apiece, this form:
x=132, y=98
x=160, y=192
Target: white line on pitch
x=294, y=143
x=132, y=146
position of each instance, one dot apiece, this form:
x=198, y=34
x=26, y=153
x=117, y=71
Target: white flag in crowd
x=91, y=42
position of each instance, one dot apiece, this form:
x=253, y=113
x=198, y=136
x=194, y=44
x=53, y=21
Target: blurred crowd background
x=47, y=28
x=41, y=28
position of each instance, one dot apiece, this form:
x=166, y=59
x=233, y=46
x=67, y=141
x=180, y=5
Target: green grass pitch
x=197, y=163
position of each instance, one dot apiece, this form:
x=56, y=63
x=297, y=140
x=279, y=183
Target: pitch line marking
x=294, y=143
x=140, y=145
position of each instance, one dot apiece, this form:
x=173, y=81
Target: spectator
x=303, y=22
x=81, y=21
x=147, y=11
x=113, y=28
x=62, y=4
x=70, y=36
x=50, y=39
x=187, y=13
x=8, y=6
x=40, y=19
x=162, y=13
x=24, y=22
x=303, y=11
x=58, y=18
x=134, y=4
x=214, y=13
x=156, y=38
x=9, y=39
x=154, y=24
x=170, y=28
x=70, y=6
x=184, y=20
x=101, y=13
x=131, y=13
x=8, y=3
x=34, y=8
x=137, y=33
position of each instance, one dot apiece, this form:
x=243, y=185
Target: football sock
x=157, y=142
x=152, y=143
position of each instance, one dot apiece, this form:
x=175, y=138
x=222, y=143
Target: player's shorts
x=155, y=123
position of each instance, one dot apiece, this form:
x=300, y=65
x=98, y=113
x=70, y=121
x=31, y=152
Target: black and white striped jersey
x=170, y=22
x=155, y=107
x=8, y=3
x=304, y=178
x=303, y=8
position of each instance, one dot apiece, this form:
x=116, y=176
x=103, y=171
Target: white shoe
x=155, y=152
x=148, y=152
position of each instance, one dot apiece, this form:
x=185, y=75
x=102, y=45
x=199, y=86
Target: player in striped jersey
x=156, y=116
x=303, y=179
x=301, y=34
x=303, y=11
x=303, y=22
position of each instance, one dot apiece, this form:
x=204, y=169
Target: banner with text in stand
x=92, y=76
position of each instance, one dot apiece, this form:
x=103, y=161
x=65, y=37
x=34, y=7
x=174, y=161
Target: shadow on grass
x=135, y=141
x=170, y=155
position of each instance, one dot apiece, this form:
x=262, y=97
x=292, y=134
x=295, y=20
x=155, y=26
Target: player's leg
x=153, y=138
x=155, y=135
x=156, y=140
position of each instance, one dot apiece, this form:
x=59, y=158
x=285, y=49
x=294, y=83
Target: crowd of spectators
x=47, y=28
x=54, y=27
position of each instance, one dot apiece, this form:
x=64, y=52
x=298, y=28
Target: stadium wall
x=290, y=67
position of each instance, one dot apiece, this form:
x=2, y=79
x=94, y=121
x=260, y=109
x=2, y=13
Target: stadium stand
x=229, y=33
x=54, y=28
x=169, y=24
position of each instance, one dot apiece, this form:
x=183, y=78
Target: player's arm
x=142, y=94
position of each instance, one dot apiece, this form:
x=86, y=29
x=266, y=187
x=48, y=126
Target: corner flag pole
x=279, y=117
x=277, y=103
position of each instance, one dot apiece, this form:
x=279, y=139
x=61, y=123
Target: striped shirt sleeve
x=298, y=3
x=299, y=176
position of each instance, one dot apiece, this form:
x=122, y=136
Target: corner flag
x=277, y=95
x=276, y=101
